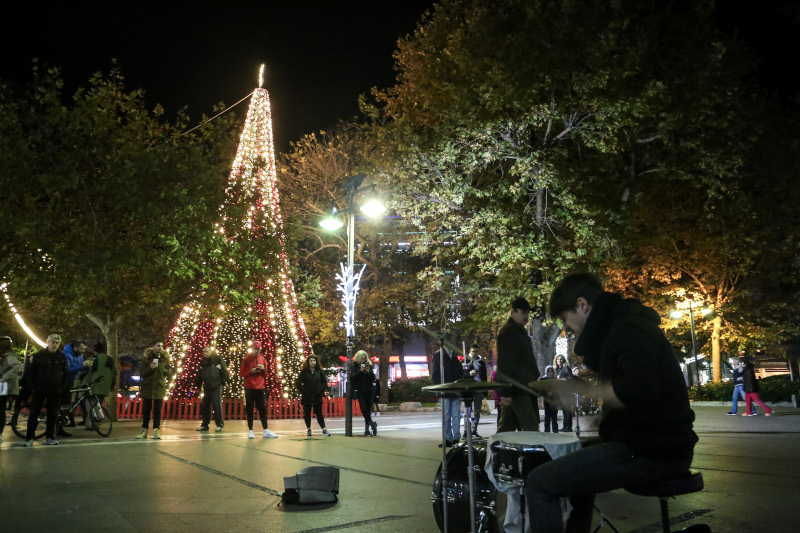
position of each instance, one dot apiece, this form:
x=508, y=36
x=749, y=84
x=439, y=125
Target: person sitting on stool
x=646, y=428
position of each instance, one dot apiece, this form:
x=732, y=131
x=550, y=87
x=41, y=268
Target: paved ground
x=189, y=482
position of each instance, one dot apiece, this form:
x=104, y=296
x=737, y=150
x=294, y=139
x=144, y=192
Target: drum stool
x=669, y=488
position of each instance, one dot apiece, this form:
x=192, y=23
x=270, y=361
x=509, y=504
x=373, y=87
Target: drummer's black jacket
x=621, y=340
x=515, y=357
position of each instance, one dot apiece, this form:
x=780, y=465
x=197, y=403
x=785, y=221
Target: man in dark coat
x=213, y=374
x=646, y=426
x=48, y=377
x=515, y=360
x=451, y=403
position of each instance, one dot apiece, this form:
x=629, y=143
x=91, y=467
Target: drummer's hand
x=505, y=401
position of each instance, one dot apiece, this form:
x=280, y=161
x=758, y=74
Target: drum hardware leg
x=471, y=457
x=577, y=416
x=604, y=521
x=445, y=499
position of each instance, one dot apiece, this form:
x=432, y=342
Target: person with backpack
x=212, y=375
x=253, y=370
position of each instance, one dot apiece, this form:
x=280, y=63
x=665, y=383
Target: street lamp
x=691, y=306
x=373, y=208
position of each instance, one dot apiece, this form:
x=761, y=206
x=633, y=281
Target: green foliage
x=109, y=206
x=771, y=389
x=410, y=390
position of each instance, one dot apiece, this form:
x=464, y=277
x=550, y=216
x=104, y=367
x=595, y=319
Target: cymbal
x=466, y=385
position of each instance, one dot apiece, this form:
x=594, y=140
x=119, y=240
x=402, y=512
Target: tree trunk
x=715, y=349
x=383, y=368
x=110, y=329
x=544, y=343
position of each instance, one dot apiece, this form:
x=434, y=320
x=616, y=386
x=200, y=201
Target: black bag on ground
x=311, y=485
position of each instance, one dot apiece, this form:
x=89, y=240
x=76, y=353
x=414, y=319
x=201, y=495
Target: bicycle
x=97, y=416
x=20, y=414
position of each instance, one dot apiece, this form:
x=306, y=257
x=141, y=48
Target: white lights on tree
x=348, y=286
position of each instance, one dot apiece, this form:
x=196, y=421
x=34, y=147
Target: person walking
x=451, y=403
x=751, y=391
x=738, y=387
x=253, y=370
x=563, y=371
x=47, y=375
x=156, y=370
x=362, y=379
x=312, y=384
x=10, y=374
x=212, y=375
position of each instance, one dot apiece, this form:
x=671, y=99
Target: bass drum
x=458, y=515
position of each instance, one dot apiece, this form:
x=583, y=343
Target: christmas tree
x=250, y=214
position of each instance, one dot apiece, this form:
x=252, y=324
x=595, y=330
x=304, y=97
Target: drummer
x=519, y=409
x=646, y=427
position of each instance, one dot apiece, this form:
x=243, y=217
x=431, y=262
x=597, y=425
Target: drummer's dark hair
x=572, y=287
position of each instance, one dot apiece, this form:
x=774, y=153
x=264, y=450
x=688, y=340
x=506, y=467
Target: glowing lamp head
x=331, y=222
x=373, y=208
x=676, y=314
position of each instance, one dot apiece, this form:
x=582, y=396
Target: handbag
x=3, y=388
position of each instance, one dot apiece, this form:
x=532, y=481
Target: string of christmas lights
x=273, y=318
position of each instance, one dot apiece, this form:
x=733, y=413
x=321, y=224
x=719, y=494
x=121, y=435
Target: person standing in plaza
x=451, y=403
x=104, y=367
x=10, y=373
x=562, y=370
x=48, y=377
x=156, y=370
x=212, y=375
x=751, y=391
x=253, y=370
x=362, y=379
x=312, y=384
x=550, y=405
x=646, y=427
x=515, y=360
x=476, y=369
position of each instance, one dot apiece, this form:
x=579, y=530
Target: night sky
x=320, y=55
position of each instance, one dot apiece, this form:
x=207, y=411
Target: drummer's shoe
x=449, y=443
x=475, y=435
x=566, y=429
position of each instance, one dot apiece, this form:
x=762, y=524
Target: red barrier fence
x=232, y=409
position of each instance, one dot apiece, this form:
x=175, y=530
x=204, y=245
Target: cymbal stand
x=468, y=398
x=443, y=398
x=577, y=415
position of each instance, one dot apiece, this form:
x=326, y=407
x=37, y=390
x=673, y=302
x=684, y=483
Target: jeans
x=255, y=396
x=365, y=404
x=451, y=405
x=317, y=410
x=151, y=406
x=212, y=397
x=52, y=403
x=738, y=390
x=477, y=402
x=581, y=475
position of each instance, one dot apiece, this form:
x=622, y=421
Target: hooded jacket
x=11, y=371
x=622, y=342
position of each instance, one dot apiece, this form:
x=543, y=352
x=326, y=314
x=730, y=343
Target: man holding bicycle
x=48, y=377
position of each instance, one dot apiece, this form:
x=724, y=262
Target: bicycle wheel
x=101, y=420
x=19, y=420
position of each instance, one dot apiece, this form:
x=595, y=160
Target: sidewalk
x=193, y=482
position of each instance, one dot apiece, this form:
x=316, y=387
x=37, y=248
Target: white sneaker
x=250, y=434
x=269, y=434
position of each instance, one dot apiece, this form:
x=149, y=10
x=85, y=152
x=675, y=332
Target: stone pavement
x=220, y=482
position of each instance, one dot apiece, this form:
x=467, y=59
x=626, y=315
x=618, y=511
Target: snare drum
x=513, y=461
x=458, y=515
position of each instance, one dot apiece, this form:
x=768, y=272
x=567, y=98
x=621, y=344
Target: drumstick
x=502, y=377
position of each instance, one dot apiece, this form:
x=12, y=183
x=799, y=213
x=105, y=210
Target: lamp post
x=373, y=207
x=691, y=306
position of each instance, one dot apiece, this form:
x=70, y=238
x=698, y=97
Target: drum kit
x=511, y=462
